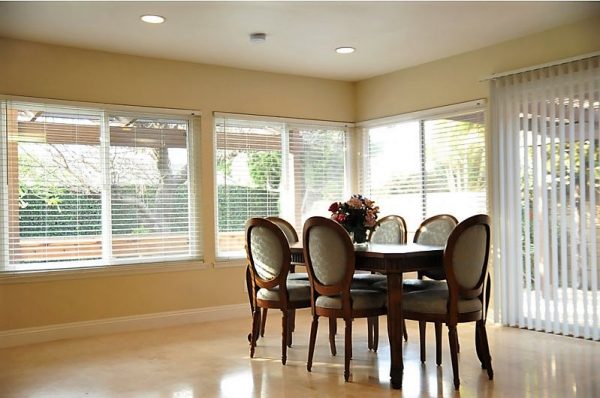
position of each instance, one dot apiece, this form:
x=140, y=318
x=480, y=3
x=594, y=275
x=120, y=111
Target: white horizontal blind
x=546, y=142
x=422, y=167
x=65, y=165
x=267, y=167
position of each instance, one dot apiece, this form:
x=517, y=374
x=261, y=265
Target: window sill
x=230, y=262
x=9, y=277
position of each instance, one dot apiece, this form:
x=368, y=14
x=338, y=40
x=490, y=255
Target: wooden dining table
x=392, y=260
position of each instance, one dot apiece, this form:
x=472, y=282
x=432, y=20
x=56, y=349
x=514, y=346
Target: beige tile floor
x=211, y=360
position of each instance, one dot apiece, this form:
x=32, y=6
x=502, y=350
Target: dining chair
x=434, y=231
x=292, y=237
x=269, y=257
x=390, y=229
x=329, y=256
x=465, y=299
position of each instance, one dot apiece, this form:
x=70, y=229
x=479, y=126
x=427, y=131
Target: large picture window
x=420, y=166
x=274, y=167
x=90, y=187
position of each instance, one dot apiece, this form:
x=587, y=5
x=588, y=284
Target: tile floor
x=211, y=360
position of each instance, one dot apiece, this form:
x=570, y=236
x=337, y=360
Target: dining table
x=392, y=260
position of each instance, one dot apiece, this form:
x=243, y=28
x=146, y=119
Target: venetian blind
x=89, y=187
x=274, y=167
x=419, y=167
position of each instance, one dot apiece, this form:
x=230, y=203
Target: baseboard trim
x=16, y=337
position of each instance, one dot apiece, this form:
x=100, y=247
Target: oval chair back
x=389, y=230
x=435, y=231
x=287, y=228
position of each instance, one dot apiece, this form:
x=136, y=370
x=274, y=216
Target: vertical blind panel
x=420, y=168
x=266, y=168
x=546, y=239
x=67, y=204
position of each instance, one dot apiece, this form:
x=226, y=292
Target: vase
x=359, y=235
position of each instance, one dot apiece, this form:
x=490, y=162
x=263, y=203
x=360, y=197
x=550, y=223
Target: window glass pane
x=393, y=170
x=149, y=187
x=82, y=189
x=248, y=174
x=54, y=194
x=272, y=168
x=421, y=168
x=455, y=170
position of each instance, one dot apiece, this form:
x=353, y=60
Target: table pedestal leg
x=395, y=328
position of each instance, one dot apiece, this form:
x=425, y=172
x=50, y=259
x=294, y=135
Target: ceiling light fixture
x=258, y=37
x=345, y=50
x=152, y=18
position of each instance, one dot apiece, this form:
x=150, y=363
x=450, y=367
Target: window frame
x=421, y=117
x=289, y=123
x=100, y=266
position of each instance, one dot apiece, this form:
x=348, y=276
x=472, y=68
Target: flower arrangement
x=357, y=215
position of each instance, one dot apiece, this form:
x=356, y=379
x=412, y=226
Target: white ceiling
x=302, y=36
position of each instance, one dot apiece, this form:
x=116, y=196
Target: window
x=90, y=187
x=267, y=166
x=420, y=166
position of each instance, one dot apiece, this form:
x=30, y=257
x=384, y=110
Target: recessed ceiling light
x=345, y=50
x=258, y=37
x=152, y=18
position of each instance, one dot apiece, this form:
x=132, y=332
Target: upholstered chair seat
x=296, y=292
x=360, y=299
x=413, y=285
x=298, y=276
x=435, y=301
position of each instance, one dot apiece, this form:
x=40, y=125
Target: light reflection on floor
x=211, y=360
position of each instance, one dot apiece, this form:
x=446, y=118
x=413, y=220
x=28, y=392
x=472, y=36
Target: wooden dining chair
x=465, y=299
x=269, y=257
x=435, y=231
x=292, y=237
x=329, y=256
x=390, y=229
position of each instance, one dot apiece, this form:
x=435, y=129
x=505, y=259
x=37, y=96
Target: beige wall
x=29, y=69
x=456, y=79
x=36, y=70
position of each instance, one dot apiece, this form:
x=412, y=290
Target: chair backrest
x=435, y=230
x=329, y=256
x=268, y=253
x=287, y=228
x=466, y=257
x=389, y=229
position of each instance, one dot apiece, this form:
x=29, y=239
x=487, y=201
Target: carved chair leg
x=290, y=326
x=453, y=339
x=438, y=343
x=284, y=335
x=370, y=333
x=422, y=333
x=486, y=349
x=332, y=331
x=311, y=343
x=348, y=348
x=375, y=333
x=263, y=323
x=255, y=330
x=404, y=332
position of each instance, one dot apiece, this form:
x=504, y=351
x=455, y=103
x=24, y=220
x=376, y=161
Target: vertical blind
x=87, y=187
x=420, y=167
x=274, y=167
x=546, y=150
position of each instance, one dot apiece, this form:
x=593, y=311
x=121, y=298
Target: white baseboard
x=16, y=337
